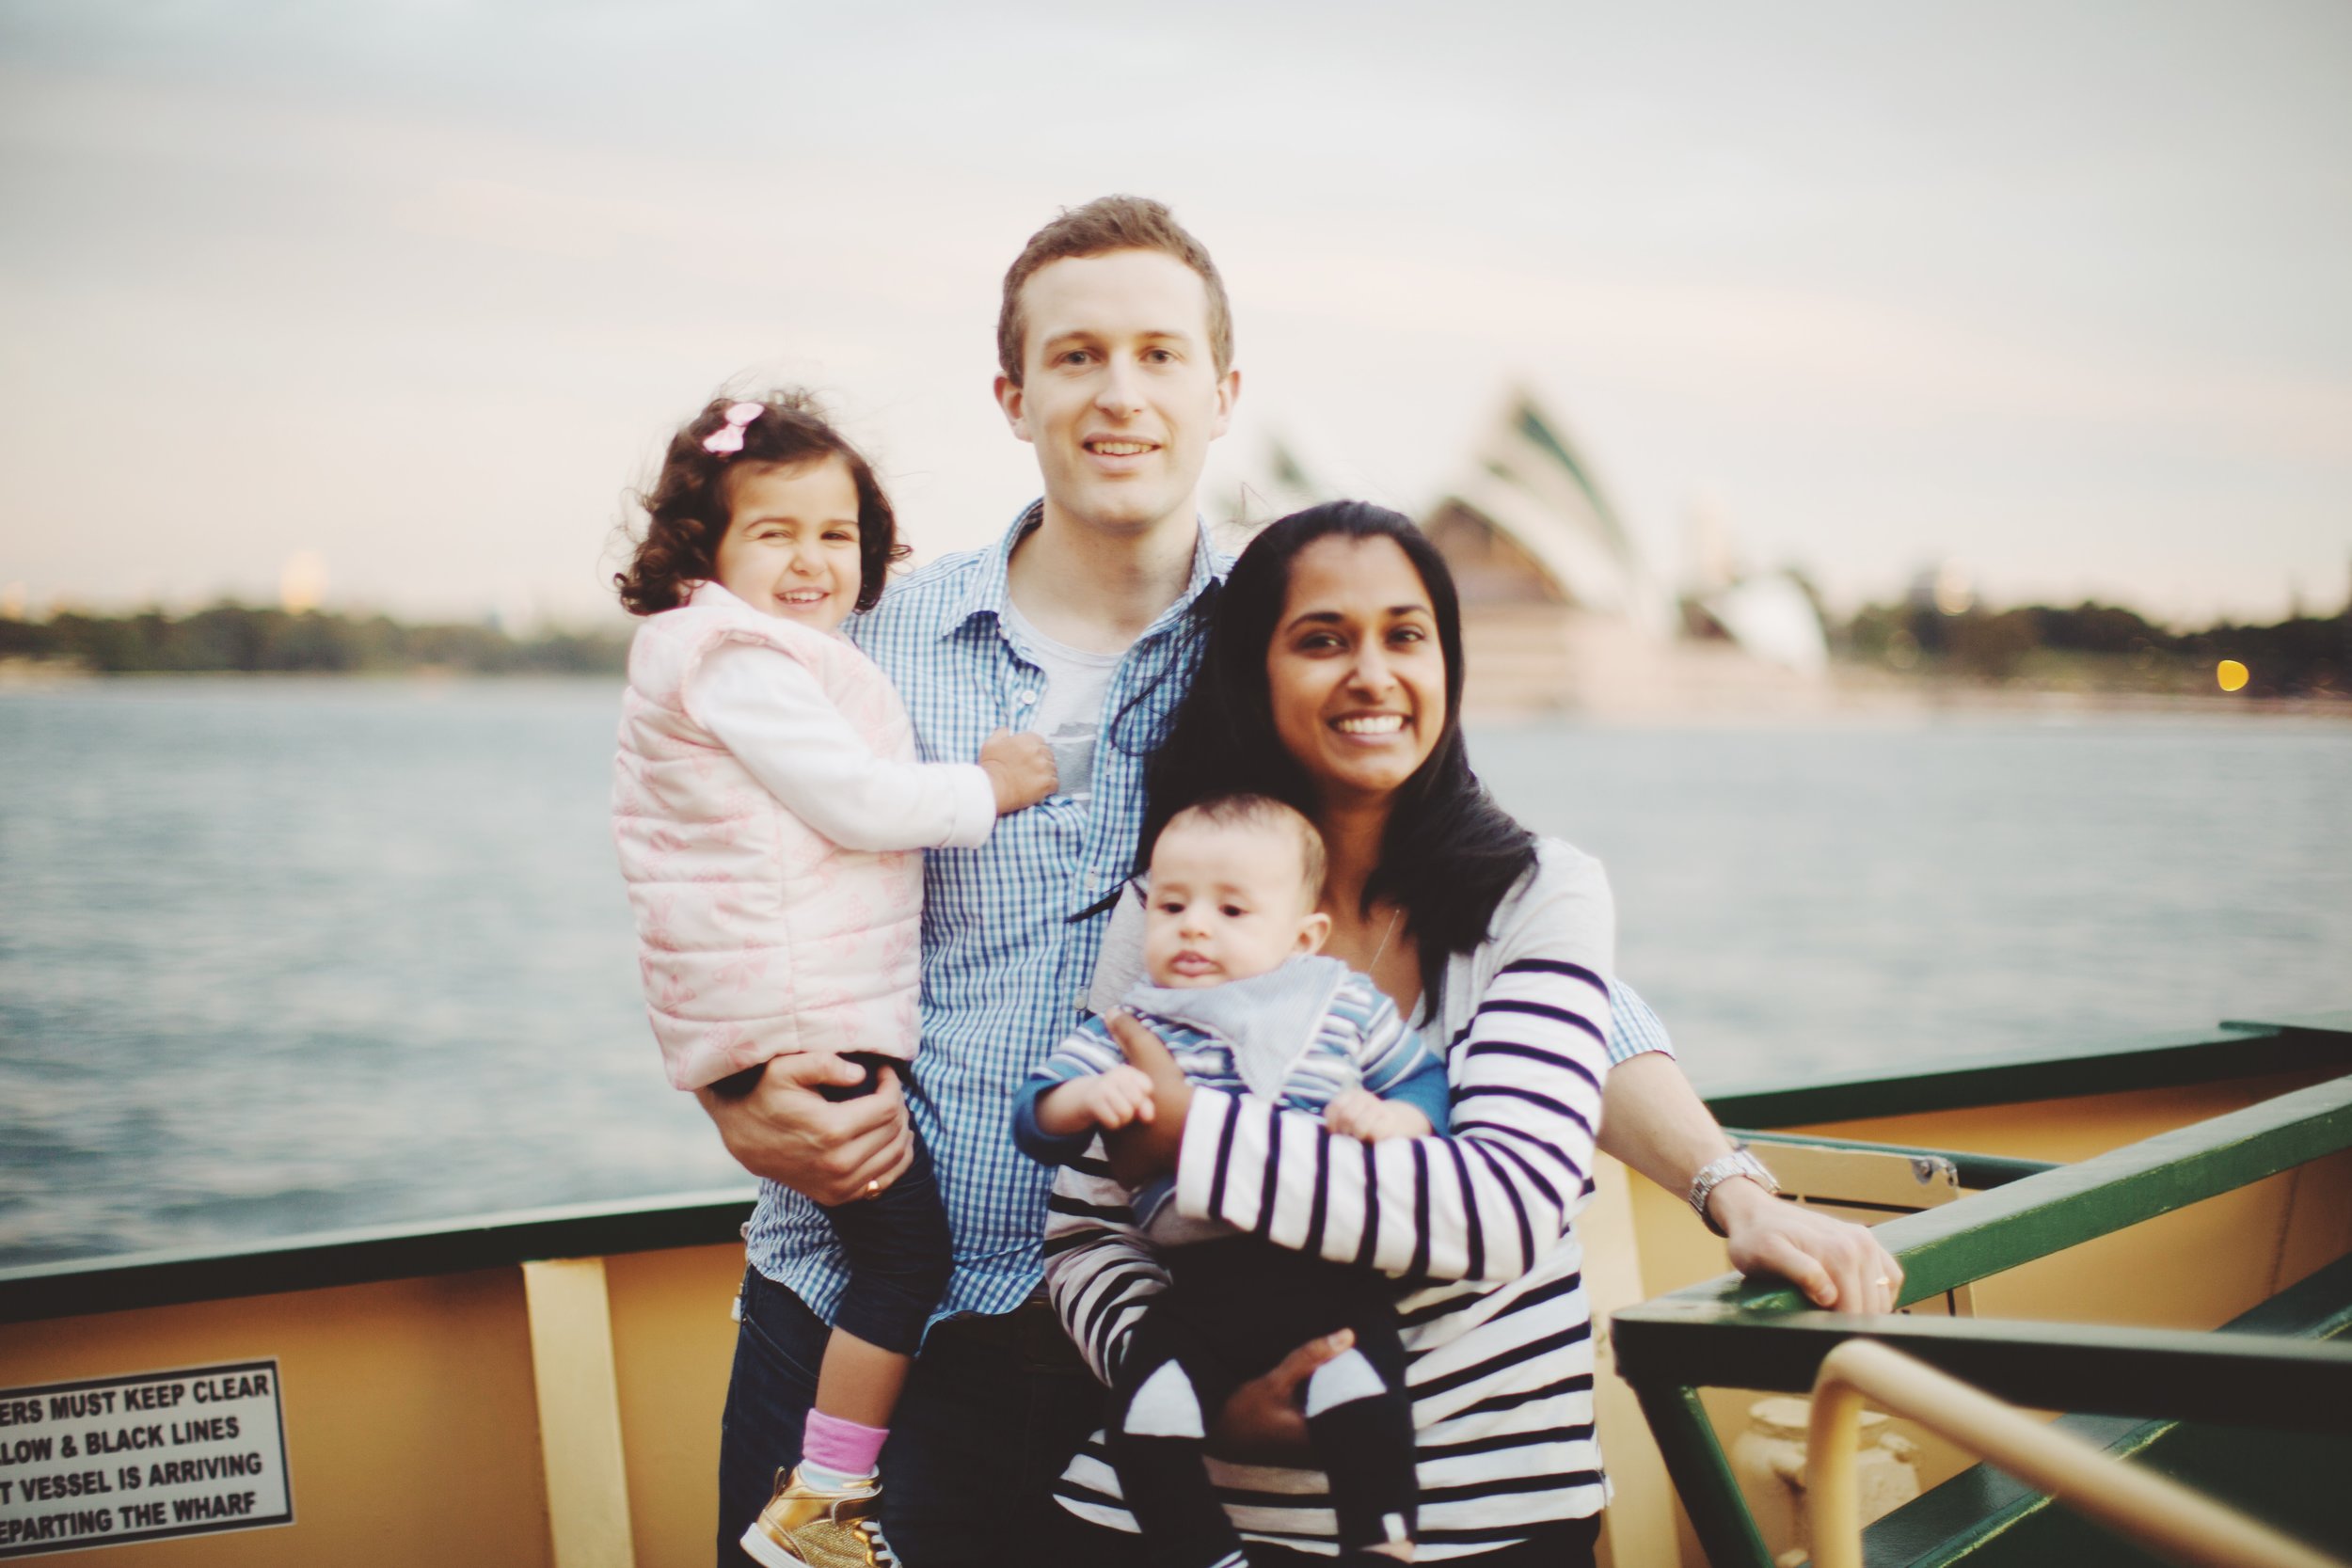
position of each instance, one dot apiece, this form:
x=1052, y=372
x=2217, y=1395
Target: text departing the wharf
x=142, y=1457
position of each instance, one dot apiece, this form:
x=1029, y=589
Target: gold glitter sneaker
x=805, y=1527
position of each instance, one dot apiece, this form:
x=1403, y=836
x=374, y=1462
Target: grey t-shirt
x=1070, y=713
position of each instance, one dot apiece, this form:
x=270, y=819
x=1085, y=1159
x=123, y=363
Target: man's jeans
x=993, y=1411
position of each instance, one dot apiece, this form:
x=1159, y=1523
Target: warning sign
x=142, y=1458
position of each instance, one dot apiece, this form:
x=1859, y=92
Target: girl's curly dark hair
x=687, y=509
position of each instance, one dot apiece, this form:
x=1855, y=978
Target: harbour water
x=278, y=957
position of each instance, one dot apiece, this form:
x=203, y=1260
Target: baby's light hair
x=1262, y=811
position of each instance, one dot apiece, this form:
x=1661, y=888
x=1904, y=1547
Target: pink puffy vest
x=756, y=935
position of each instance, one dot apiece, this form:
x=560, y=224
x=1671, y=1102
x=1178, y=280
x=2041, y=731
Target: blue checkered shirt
x=1004, y=969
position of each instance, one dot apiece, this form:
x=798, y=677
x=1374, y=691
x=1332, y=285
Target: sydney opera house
x=1561, y=613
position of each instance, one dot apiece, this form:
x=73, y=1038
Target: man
x=1115, y=354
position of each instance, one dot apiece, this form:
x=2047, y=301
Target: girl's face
x=1355, y=673
x=791, y=545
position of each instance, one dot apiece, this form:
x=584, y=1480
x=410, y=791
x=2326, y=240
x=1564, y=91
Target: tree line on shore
x=232, y=638
x=2090, y=646
x=2104, y=647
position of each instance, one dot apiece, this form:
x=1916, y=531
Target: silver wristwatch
x=1716, y=1172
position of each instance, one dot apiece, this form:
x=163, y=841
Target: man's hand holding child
x=782, y=1126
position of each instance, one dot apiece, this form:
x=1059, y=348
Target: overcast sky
x=2059, y=289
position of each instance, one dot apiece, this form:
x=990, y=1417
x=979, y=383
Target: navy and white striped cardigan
x=1499, y=1339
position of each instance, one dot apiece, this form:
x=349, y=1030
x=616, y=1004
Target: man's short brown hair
x=1104, y=225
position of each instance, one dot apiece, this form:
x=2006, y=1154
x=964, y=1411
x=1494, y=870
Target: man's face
x=1119, y=393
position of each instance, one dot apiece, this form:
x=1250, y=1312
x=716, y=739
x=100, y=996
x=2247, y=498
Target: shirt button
x=1023, y=698
x=1079, y=1001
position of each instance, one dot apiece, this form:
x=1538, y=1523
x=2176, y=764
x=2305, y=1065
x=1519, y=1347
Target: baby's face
x=1227, y=903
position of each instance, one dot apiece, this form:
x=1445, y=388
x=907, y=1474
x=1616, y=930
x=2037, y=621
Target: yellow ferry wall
x=408, y=1415
x=672, y=1344
x=411, y=1413
x=412, y=1408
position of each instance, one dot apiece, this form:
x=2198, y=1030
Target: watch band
x=1718, y=1170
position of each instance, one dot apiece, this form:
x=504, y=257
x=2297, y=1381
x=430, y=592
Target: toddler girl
x=765, y=799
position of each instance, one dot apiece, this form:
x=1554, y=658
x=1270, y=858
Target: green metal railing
x=2300, y=1481
x=1728, y=1333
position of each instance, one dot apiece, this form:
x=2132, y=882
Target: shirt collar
x=991, y=596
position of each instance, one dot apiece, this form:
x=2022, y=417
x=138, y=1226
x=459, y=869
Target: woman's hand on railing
x=1834, y=1264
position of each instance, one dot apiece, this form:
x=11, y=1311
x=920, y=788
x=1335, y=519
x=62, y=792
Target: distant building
x=1525, y=524
x=1559, y=609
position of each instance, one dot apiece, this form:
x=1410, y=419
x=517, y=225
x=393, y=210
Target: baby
x=1236, y=991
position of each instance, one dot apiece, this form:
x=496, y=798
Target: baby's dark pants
x=1237, y=1307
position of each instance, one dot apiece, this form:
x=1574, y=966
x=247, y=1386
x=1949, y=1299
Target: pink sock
x=842, y=1447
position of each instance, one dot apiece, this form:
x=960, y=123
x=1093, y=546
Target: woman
x=1332, y=679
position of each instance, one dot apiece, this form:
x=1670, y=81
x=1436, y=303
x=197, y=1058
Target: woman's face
x=1355, y=673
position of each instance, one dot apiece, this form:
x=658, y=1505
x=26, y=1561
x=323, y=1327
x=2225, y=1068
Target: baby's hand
x=1020, y=767
x=1361, y=1114
x=1106, y=1101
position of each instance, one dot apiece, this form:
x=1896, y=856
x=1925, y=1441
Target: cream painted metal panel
x=580, y=1413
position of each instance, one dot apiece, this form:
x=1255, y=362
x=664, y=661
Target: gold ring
x=873, y=1189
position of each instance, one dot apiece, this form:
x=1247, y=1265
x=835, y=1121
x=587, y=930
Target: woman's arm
x=1484, y=1203
x=769, y=710
x=1656, y=1123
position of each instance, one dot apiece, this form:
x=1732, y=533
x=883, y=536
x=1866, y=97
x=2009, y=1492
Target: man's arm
x=1653, y=1120
x=831, y=1152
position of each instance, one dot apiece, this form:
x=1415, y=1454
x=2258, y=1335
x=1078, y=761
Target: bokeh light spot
x=2231, y=674
x=302, y=582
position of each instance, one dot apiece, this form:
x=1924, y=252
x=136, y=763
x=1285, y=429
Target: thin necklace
x=1384, y=939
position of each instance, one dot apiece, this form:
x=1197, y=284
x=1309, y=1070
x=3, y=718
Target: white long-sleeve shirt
x=769, y=710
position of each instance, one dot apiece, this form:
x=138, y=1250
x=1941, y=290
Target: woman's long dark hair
x=1449, y=853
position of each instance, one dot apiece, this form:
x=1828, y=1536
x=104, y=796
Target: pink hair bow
x=729, y=436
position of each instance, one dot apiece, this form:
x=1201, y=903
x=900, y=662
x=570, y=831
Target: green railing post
x=1686, y=1439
